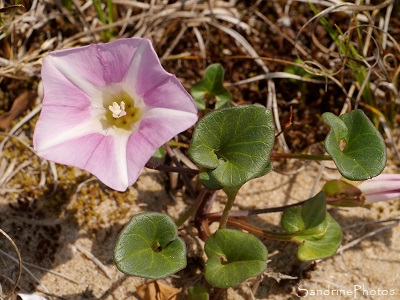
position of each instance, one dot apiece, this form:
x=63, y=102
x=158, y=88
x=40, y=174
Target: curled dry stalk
x=361, y=14
x=369, y=50
x=19, y=263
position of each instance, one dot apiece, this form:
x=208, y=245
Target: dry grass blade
x=174, y=43
x=278, y=75
x=8, y=171
x=16, y=171
x=368, y=235
x=10, y=8
x=300, y=48
x=200, y=41
x=53, y=272
x=38, y=281
x=19, y=263
x=243, y=42
x=17, y=126
x=95, y=260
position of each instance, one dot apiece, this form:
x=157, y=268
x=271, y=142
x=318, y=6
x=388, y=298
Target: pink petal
x=59, y=90
x=377, y=186
x=382, y=177
x=172, y=90
x=59, y=124
x=108, y=162
x=154, y=85
x=157, y=127
x=100, y=64
x=95, y=153
x=372, y=198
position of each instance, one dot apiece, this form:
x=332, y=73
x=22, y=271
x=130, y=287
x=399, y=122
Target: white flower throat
x=118, y=111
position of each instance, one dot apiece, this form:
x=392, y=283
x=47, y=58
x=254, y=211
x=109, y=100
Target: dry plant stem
x=53, y=272
x=256, y=230
x=26, y=269
x=245, y=213
x=369, y=234
x=371, y=222
x=199, y=221
x=95, y=260
x=19, y=263
x=275, y=155
x=186, y=179
x=192, y=209
x=165, y=168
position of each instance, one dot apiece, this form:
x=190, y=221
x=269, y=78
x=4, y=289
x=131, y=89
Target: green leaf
x=233, y=145
x=233, y=257
x=314, y=247
x=364, y=153
x=201, y=105
x=160, y=153
x=208, y=180
x=197, y=293
x=309, y=225
x=308, y=218
x=149, y=246
x=211, y=86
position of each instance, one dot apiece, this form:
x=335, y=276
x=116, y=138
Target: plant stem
x=231, y=193
x=192, y=209
x=185, y=178
x=245, y=213
x=177, y=144
x=165, y=168
x=275, y=155
x=258, y=231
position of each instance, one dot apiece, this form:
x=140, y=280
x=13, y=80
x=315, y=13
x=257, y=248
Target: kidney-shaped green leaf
x=149, y=246
x=364, y=152
x=233, y=257
x=234, y=144
x=311, y=226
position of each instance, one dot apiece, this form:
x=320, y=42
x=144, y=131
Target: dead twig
x=95, y=260
x=19, y=263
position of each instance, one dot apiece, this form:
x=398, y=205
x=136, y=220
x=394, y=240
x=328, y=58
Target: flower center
x=122, y=112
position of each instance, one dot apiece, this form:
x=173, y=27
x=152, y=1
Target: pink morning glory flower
x=108, y=107
x=380, y=188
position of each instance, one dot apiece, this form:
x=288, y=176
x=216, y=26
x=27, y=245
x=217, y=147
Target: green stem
x=110, y=8
x=231, y=193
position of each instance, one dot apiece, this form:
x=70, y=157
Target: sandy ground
x=370, y=269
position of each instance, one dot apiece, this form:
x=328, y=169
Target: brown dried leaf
x=23, y=101
x=156, y=290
